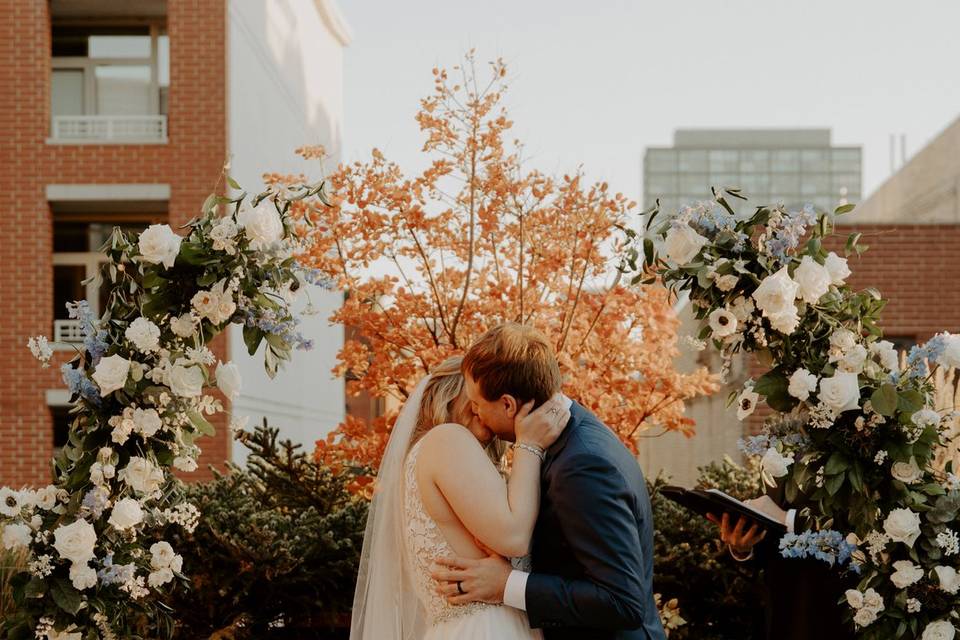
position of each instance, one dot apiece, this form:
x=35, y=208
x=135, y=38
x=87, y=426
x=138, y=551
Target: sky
x=594, y=83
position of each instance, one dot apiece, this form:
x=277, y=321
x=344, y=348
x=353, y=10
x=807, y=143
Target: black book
x=717, y=502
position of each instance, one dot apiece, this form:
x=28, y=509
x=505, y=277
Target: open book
x=717, y=502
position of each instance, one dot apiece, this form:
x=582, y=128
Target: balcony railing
x=67, y=331
x=110, y=128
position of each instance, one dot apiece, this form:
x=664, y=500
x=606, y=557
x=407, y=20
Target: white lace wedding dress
x=425, y=543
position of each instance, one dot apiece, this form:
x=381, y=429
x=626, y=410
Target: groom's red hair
x=514, y=359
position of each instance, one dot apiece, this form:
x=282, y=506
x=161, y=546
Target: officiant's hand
x=480, y=580
x=738, y=537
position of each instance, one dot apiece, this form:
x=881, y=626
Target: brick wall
x=190, y=163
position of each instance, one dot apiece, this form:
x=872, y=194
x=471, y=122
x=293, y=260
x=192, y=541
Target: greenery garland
x=854, y=432
x=138, y=408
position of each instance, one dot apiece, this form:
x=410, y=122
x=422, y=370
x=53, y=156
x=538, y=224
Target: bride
x=439, y=493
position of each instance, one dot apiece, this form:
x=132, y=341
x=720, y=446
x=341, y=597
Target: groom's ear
x=510, y=405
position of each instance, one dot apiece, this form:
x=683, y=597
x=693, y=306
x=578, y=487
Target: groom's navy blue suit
x=592, y=548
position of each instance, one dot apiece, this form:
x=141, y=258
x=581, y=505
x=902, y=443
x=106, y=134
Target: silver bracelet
x=535, y=450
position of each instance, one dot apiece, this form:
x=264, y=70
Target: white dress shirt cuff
x=791, y=517
x=515, y=591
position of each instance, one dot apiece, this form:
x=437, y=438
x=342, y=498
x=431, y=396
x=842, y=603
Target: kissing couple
x=563, y=548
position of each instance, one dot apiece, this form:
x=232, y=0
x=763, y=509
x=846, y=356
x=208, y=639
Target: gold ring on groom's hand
x=460, y=588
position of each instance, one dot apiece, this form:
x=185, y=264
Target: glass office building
x=797, y=166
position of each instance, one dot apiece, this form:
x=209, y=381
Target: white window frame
x=88, y=65
x=92, y=261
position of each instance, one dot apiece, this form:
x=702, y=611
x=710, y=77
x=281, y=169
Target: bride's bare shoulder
x=448, y=437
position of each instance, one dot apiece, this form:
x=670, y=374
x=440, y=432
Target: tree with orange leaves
x=432, y=260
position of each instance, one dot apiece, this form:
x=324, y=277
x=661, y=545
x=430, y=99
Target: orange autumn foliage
x=431, y=260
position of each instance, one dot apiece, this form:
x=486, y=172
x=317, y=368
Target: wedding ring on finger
x=460, y=588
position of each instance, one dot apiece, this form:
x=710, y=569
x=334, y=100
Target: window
x=661, y=160
x=691, y=160
x=785, y=161
x=815, y=159
x=76, y=269
x=109, y=82
x=814, y=184
x=846, y=160
x=783, y=185
x=755, y=161
x=61, y=425
x=724, y=161
x=659, y=184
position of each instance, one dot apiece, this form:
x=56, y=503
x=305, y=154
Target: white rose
x=873, y=600
x=775, y=464
x=905, y=574
x=727, y=282
x=82, y=576
x=682, y=244
x=887, y=353
x=841, y=341
x=906, y=472
x=185, y=464
x=75, y=542
x=854, y=598
x=746, y=403
x=776, y=293
x=742, y=308
x=853, y=359
x=182, y=326
x=141, y=475
x=229, y=382
x=902, y=525
x=840, y=392
x=949, y=579
x=939, y=630
x=865, y=617
x=813, y=280
x=262, y=225
x=161, y=555
x=802, y=384
x=785, y=322
x=126, y=514
x=147, y=421
x=46, y=497
x=16, y=536
x=111, y=373
x=144, y=335
x=837, y=268
x=950, y=358
x=159, y=578
x=186, y=382
x=159, y=245
x=176, y=564
x=722, y=323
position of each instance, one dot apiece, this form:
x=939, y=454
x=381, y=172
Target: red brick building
x=110, y=113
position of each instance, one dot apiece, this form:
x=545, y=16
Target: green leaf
x=844, y=208
x=910, y=402
x=66, y=597
x=837, y=463
x=773, y=386
x=833, y=483
x=207, y=279
x=35, y=588
x=252, y=336
x=233, y=183
x=201, y=423
x=885, y=399
x=648, y=252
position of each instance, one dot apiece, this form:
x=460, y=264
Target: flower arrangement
x=854, y=432
x=139, y=405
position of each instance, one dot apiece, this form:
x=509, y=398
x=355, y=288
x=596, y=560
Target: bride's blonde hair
x=444, y=401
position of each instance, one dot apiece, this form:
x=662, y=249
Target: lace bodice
x=425, y=543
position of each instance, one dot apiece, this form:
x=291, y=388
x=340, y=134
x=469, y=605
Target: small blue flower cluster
x=922, y=353
x=314, y=276
x=94, y=339
x=286, y=328
x=787, y=233
x=78, y=383
x=113, y=573
x=756, y=445
x=828, y=545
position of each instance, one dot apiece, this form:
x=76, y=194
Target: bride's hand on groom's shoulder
x=465, y=580
x=543, y=426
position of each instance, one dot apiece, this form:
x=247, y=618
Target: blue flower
x=79, y=384
x=828, y=546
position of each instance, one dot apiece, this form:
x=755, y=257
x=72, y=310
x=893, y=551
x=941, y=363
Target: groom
x=592, y=548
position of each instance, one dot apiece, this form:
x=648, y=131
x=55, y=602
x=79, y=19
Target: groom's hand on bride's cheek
x=481, y=580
